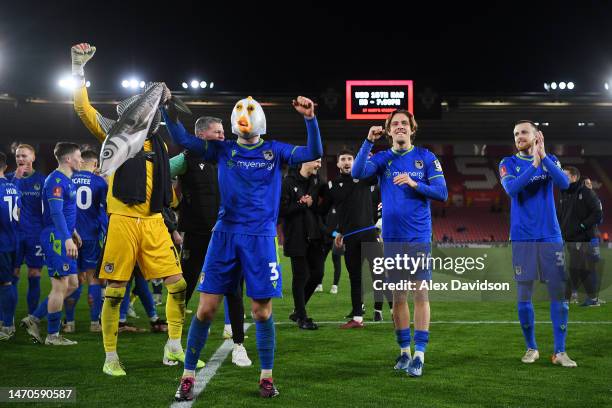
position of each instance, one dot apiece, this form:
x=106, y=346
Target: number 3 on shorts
x=273, y=271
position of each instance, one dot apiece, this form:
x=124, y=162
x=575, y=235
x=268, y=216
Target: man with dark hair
x=60, y=243
x=537, y=245
x=352, y=199
x=579, y=212
x=29, y=182
x=91, y=221
x=303, y=231
x=9, y=214
x=198, y=211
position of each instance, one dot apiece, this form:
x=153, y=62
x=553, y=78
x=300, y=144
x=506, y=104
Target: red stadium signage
x=376, y=99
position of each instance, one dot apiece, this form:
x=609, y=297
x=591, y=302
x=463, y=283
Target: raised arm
x=208, y=149
x=364, y=168
x=314, y=148
x=97, y=124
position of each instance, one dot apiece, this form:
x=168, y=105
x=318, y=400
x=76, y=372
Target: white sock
x=358, y=318
x=154, y=318
x=111, y=356
x=265, y=374
x=175, y=344
x=405, y=350
x=122, y=320
x=228, y=327
x=420, y=354
x=188, y=373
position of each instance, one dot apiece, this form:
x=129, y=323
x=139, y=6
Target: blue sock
x=265, y=338
x=53, y=322
x=421, y=338
x=226, y=311
x=559, y=313
x=8, y=303
x=125, y=303
x=15, y=288
x=41, y=310
x=527, y=319
x=144, y=294
x=403, y=337
x=95, y=302
x=33, y=294
x=196, y=340
x=70, y=303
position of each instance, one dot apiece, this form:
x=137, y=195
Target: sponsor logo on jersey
x=418, y=164
x=268, y=154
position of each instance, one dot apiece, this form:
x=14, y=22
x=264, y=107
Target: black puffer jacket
x=302, y=225
x=579, y=212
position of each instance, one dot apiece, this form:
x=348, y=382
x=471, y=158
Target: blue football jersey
x=31, y=216
x=406, y=211
x=249, y=184
x=91, y=204
x=532, y=211
x=8, y=215
x=60, y=187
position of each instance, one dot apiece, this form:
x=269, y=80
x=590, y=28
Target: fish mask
x=248, y=119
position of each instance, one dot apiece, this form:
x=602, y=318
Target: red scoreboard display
x=376, y=99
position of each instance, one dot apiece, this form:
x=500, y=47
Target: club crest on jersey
x=517, y=270
x=418, y=164
x=518, y=168
x=437, y=165
x=268, y=154
x=37, y=186
x=65, y=267
x=109, y=267
x=202, y=277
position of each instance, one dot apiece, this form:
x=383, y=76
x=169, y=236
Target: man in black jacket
x=352, y=200
x=579, y=211
x=303, y=230
x=197, y=216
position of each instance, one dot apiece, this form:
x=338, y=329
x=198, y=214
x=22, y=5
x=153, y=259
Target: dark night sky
x=257, y=46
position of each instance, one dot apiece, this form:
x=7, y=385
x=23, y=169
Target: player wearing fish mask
x=138, y=190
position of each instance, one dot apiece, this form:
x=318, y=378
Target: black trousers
x=354, y=257
x=336, y=261
x=195, y=246
x=582, y=269
x=307, y=274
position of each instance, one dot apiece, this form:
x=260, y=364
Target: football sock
x=403, y=340
x=196, y=340
x=265, y=339
x=70, y=303
x=41, y=310
x=110, y=317
x=95, y=301
x=559, y=312
x=358, y=318
x=15, y=289
x=175, y=308
x=527, y=319
x=33, y=295
x=53, y=322
x=8, y=303
x=144, y=294
x=421, y=338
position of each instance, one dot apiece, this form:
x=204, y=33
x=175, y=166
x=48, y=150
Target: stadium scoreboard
x=376, y=99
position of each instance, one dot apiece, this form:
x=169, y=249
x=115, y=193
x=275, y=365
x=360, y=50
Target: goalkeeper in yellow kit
x=137, y=192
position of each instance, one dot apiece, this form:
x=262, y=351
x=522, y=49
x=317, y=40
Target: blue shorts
x=542, y=260
x=57, y=261
x=89, y=255
x=232, y=256
x=419, y=251
x=29, y=251
x=7, y=266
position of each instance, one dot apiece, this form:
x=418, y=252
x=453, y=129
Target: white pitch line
x=452, y=322
x=207, y=373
